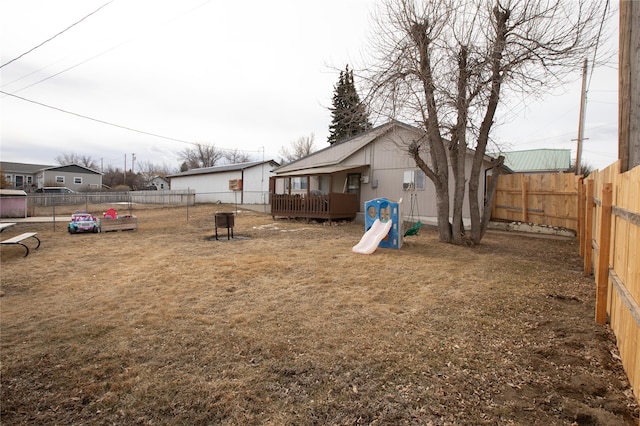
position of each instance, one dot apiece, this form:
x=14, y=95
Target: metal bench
x=18, y=239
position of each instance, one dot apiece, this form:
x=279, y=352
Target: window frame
x=413, y=180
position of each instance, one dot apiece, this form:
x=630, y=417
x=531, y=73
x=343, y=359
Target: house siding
x=381, y=156
x=209, y=188
x=89, y=180
x=214, y=187
x=255, y=184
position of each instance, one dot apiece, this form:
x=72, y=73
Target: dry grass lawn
x=285, y=326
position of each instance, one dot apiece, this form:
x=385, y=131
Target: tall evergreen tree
x=349, y=115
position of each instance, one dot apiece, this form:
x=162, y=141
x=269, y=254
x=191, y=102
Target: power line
x=108, y=123
x=70, y=68
x=595, y=50
x=51, y=38
x=105, y=51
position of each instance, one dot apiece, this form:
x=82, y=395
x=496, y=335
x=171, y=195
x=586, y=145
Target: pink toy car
x=83, y=222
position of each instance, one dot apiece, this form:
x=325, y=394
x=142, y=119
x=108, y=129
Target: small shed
x=13, y=203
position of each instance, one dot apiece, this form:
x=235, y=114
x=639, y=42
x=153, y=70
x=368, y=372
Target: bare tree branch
x=299, y=148
x=201, y=155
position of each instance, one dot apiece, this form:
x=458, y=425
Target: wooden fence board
x=618, y=266
x=605, y=210
x=545, y=199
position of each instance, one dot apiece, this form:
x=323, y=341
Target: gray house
x=335, y=182
x=242, y=183
x=21, y=175
x=72, y=176
x=30, y=177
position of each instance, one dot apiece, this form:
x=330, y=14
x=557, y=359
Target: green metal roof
x=537, y=160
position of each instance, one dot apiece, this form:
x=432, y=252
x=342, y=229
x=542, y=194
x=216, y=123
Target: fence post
x=525, y=206
x=581, y=213
x=602, y=280
x=588, y=229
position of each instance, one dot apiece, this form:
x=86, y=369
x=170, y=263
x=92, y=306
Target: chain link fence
x=58, y=205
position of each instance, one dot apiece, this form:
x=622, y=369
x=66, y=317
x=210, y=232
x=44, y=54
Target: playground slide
x=370, y=240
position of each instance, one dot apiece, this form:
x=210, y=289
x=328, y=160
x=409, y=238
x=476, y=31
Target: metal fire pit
x=225, y=220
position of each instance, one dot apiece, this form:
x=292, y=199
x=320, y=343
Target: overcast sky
x=248, y=75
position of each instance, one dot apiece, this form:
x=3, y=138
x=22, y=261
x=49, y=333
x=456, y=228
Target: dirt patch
x=286, y=326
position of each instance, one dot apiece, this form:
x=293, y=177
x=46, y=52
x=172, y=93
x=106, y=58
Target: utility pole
x=583, y=108
x=124, y=173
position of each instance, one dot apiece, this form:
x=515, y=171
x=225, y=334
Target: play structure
x=416, y=224
x=382, y=226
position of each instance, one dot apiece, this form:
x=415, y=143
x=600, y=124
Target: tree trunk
x=486, y=213
x=440, y=179
x=442, y=204
x=459, y=147
x=457, y=223
x=501, y=17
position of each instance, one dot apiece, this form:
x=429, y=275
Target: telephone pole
x=583, y=108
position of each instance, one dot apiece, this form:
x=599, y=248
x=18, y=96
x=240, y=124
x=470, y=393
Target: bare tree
x=236, y=156
x=201, y=155
x=112, y=177
x=447, y=65
x=148, y=171
x=72, y=158
x=299, y=148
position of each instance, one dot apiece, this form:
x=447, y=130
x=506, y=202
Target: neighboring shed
x=13, y=203
x=242, y=183
x=537, y=160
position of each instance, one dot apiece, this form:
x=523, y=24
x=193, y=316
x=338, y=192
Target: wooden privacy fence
x=544, y=199
x=609, y=235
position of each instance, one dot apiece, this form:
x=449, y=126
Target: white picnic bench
x=18, y=239
x=5, y=225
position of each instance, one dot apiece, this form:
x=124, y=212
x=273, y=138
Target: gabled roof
x=72, y=168
x=7, y=166
x=225, y=168
x=12, y=192
x=330, y=157
x=537, y=160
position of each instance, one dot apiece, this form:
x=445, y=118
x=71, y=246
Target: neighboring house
x=335, y=182
x=242, y=183
x=72, y=176
x=159, y=183
x=21, y=175
x=537, y=160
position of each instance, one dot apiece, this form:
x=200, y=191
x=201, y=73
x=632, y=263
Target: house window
x=413, y=180
x=29, y=180
x=77, y=180
x=299, y=183
x=59, y=179
x=9, y=178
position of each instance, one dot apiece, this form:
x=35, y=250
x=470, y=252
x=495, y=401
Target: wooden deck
x=325, y=206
